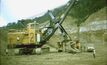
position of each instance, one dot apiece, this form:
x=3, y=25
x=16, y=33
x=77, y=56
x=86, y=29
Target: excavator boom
x=55, y=24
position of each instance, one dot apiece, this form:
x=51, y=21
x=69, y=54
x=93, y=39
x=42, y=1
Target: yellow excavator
x=32, y=37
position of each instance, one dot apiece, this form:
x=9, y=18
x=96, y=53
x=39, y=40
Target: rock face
x=93, y=29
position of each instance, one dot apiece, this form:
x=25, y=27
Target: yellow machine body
x=27, y=36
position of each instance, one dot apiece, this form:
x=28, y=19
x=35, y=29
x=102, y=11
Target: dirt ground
x=63, y=58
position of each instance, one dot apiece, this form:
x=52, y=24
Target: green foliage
x=42, y=19
x=84, y=8
x=19, y=25
x=81, y=11
x=59, y=11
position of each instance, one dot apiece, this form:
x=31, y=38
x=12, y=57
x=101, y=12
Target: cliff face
x=94, y=29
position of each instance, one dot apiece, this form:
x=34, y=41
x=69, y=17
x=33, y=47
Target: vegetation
x=85, y=8
x=81, y=10
x=19, y=25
